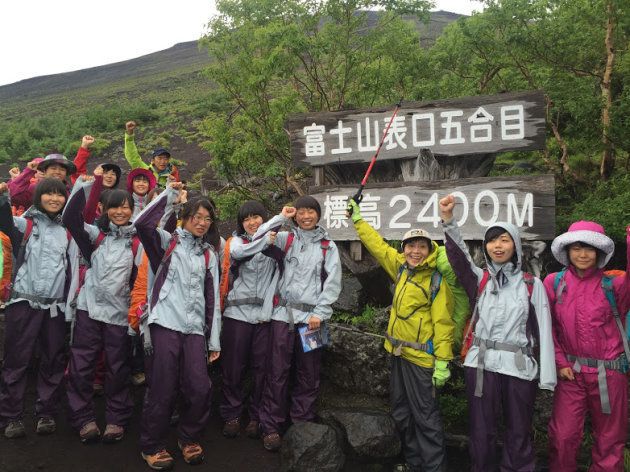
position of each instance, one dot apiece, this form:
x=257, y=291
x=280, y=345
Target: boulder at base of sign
x=371, y=435
x=355, y=361
x=349, y=300
x=311, y=447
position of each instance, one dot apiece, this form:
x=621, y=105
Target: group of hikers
x=152, y=293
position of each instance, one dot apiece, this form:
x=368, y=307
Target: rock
x=355, y=361
x=350, y=298
x=311, y=447
x=370, y=435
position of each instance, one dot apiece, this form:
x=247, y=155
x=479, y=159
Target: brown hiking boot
x=113, y=433
x=193, y=453
x=232, y=428
x=252, y=430
x=272, y=442
x=161, y=460
x=89, y=432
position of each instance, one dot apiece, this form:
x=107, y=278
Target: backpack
x=469, y=330
x=436, y=281
x=559, y=285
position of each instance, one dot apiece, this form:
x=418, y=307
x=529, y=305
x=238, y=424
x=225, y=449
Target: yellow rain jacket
x=413, y=316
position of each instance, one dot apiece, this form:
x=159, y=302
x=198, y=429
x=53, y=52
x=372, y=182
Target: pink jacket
x=583, y=323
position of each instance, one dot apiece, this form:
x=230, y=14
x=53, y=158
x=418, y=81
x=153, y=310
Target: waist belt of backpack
x=484, y=344
x=37, y=299
x=398, y=344
x=290, y=306
x=245, y=301
x=620, y=364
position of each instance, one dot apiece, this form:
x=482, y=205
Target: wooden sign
x=470, y=125
x=393, y=208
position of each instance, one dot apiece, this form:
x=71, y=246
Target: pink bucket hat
x=587, y=232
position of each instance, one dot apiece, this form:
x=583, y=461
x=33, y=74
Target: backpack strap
x=289, y=242
x=529, y=283
x=19, y=260
x=559, y=284
x=436, y=281
x=607, y=285
x=323, y=275
x=224, y=285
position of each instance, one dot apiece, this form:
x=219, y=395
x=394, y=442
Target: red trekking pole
x=359, y=195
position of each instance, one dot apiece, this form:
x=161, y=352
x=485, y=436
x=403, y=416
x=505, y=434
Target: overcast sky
x=41, y=37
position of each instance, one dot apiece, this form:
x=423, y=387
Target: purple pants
x=242, y=344
x=516, y=396
x=573, y=399
x=90, y=338
x=178, y=364
x=24, y=326
x=285, y=347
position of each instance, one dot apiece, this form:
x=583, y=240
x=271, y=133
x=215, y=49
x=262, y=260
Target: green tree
x=274, y=58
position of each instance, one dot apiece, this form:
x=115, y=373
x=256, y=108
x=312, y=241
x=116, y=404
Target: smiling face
x=140, y=185
x=306, y=218
x=109, y=178
x=416, y=251
x=582, y=256
x=251, y=224
x=199, y=223
x=501, y=249
x=120, y=215
x=56, y=171
x=52, y=203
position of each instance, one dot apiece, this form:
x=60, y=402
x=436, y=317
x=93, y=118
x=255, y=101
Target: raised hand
x=14, y=172
x=87, y=141
x=288, y=212
x=32, y=165
x=4, y=188
x=130, y=126
x=176, y=185
x=98, y=170
x=446, y=207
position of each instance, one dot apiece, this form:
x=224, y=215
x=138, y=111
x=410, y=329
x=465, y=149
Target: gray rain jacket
x=300, y=289
x=251, y=296
x=41, y=279
x=105, y=294
x=503, y=309
x=184, y=295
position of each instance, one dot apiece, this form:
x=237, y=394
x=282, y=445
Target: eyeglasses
x=202, y=219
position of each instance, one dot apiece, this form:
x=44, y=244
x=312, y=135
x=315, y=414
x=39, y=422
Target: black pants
x=415, y=411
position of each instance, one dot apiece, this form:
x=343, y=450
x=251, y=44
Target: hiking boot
x=252, y=430
x=113, y=433
x=46, y=425
x=161, y=460
x=232, y=428
x=138, y=379
x=15, y=429
x=272, y=442
x=89, y=432
x=193, y=453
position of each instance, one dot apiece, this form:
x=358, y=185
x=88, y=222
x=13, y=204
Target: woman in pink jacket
x=591, y=349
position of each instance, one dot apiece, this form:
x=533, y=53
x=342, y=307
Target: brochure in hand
x=313, y=338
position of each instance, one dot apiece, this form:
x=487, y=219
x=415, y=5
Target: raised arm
x=155, y=240
x=83, y=154
x=7, y=225
x=131, y=151
x=73, y=215
x=20, y=187
x=467, y=272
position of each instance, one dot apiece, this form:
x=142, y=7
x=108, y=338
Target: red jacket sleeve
x=80, y=161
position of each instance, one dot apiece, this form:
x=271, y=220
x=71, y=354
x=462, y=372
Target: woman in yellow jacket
x=420, y=337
